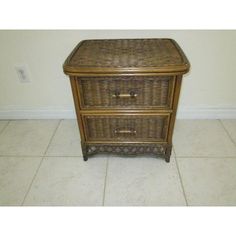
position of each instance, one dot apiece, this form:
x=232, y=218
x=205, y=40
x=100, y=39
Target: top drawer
x=144, y=92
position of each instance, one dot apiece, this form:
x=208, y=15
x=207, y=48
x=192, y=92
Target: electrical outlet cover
x=23, y=73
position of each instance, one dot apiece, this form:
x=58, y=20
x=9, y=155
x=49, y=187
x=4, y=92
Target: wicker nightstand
x=126, y=94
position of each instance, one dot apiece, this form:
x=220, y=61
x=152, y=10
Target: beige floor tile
x=68, y=181
x=143, y=182
x=16, y=174
x=27, y=137
x=3, y=124
x=202, y=138
x=66, y=141
x=230, y=126
x=209, y=181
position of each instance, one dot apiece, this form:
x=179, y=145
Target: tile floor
x=41, y=165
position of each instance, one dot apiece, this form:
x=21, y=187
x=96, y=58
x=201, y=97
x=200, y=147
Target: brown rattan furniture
x=126, y=93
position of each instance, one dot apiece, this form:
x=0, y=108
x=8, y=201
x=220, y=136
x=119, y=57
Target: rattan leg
x=84, y=151
x=168, y=154
x=167, y=159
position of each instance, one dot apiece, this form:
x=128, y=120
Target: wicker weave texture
x=120, y=53
x=127, y=149
x=137, y=127
x=148, y=92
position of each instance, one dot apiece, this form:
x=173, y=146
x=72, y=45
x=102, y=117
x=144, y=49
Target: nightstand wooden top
x=127, y=56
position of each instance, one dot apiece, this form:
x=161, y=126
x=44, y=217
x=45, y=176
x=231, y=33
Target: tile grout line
x=181, y=181
x=227, y=132
x=57, y=156
x=105, y=183
x=198, y=157
x=27, y=192
x=50, y=141
x=36, y=156
x=43, y=157
x=26, y=156
x=8, y=122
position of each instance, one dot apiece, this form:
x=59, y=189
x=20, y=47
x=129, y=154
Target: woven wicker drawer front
x=126, y=92
x=126, y=127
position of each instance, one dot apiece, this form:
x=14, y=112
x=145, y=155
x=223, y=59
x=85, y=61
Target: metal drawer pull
x=125, y=131
x=124, y=95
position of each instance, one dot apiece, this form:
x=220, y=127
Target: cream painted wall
x=209, y=89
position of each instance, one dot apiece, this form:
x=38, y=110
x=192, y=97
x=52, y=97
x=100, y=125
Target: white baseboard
x=11, y=114
x=206, y=113
x=183, y=113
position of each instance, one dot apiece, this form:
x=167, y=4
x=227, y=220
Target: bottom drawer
x=128, y=127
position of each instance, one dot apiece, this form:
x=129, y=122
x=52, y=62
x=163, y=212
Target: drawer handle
x=125, y=131
x=117, y=94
